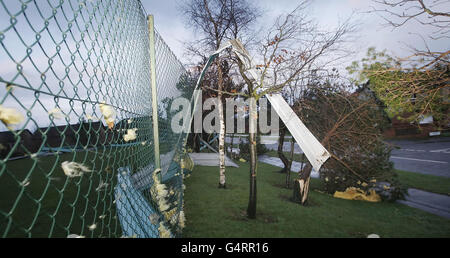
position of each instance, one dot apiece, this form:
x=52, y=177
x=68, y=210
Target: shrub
x=374, y=169
x=350, y=126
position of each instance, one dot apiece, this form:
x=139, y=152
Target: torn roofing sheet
x=313, y=149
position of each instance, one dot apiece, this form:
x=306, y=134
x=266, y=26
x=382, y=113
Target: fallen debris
x=353, y=193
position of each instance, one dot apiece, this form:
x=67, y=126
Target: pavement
x=430, y=202
x=295, y=167
x=210, y=160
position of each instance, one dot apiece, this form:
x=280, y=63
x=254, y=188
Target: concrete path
x=430, y=202
x=296, y=166
x=433, y=203
x=210, y=160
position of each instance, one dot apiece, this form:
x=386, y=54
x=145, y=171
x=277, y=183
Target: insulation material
x=353, y=193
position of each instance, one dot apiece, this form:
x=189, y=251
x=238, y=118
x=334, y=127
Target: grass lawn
x=430, y=183
x=214, y=212
x=53, y=205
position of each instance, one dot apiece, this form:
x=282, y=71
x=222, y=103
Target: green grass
x=53, y=205
x=214, y=212
x=430, y=183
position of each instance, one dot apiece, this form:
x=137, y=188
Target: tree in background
x=350, y=127
x=293, y=46
x=419, y=83
x=406, y=91
x=218, y=21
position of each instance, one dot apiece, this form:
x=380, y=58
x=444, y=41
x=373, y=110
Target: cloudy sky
x=328, y=13
x=103, y=57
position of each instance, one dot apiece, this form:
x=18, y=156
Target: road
x=431, y=156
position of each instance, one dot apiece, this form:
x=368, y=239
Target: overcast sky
x=102, y=78
x=170, y=24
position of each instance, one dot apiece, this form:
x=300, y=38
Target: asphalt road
x=431, y=156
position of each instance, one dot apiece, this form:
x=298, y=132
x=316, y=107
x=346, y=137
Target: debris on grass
x=353, y=193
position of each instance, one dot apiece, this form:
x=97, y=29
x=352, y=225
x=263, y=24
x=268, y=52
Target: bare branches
x=293, y=47
x=408, y=93
x=398, y=13
x=225, y=92
x=348, y=124
x=434, y=14
x=424, y=74
x=217, y=20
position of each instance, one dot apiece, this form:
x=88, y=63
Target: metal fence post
x=151, y=32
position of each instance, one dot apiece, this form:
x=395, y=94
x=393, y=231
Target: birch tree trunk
x=222, y=182
x=251, y=209
x=231, y=147
x=253, y=130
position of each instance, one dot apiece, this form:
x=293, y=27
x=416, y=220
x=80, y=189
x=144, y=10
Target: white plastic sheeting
x=313, y=149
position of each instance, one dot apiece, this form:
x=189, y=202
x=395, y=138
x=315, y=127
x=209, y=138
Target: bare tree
x=217, y=21
x=293, y=46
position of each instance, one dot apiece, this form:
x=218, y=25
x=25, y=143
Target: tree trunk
x=196, y=142
x=251, y=209
x=280, y=150
x=231, y=147
x=301, y=185
x=288, y=172
x=253, y=132
x=221, y=131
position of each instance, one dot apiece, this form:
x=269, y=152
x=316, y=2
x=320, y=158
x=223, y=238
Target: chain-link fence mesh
x=76, y=139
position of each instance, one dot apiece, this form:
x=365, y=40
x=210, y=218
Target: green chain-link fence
x=77, y=146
